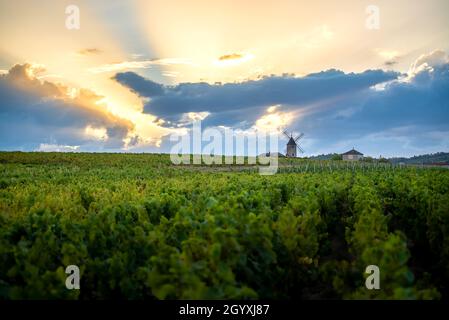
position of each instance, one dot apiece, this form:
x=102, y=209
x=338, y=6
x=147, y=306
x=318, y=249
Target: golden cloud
x=231, y=56
x=89, y=51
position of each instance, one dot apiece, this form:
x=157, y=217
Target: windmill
x=292, y=144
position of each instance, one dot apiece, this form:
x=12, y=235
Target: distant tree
x=368, y=159
x=336, y=156
x=384, y=160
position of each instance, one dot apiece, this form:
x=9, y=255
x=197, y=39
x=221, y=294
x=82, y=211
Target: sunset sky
x=136, y=71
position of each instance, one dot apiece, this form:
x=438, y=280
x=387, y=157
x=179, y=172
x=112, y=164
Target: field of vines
x=141, y=228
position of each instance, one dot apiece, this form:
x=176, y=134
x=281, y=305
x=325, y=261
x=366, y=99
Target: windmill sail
x=292, y=144
x=299, y=137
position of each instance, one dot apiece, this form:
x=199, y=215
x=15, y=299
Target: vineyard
x=141, y=228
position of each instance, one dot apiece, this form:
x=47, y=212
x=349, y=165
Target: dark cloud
x=34, y=112
x=390, y=63
x=380, y=112
x=231, y=103
x=407, y=116
x=143, y=87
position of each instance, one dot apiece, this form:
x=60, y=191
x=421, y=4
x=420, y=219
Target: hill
x=439, y=157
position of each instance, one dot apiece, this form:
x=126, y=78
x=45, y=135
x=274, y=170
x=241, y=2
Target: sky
x=371, y=75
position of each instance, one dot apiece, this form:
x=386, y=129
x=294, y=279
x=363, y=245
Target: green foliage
x=368, y=159
x=336, y=157
x=140, y=228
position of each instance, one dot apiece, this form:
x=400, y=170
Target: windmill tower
x=292, y=145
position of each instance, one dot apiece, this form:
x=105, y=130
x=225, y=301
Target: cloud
x=35, y=112
x=125, y=65
x=232, y=56
x=89, y=51
x=377, y=111
x=232, y=103
x=98, y=134
x=388, y=54
x=143, y=87
x=315, y=39
x=427, y=62
x=171, y=74
x=142, y=64
x=233, y=59
x=274, y=120
x=390, y=63
x=189, y=117
x=391, y=57
x=395, y=120
x=45, y=147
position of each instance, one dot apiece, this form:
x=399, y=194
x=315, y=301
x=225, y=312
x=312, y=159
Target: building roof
x=352, y=152
x=291, y=142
